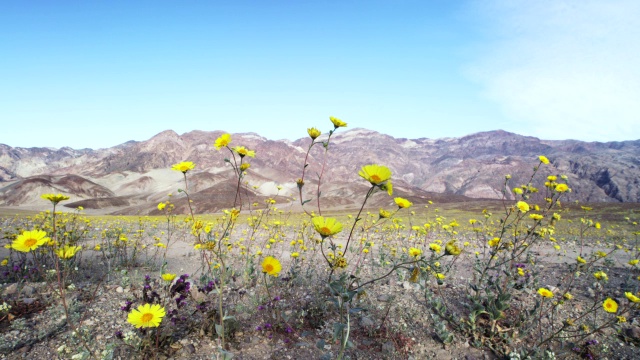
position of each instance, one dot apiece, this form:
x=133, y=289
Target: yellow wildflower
x=402, y=203
x=223, y=141
x=601, y=275
x=146, y=316
x=452, y=248
x=545, y=293
x=415, y=252
x=271, y=266
x=632, y=297
x=168, y=277
x=326, y=226
x=384, y=214
x=523, y=206
x=543, y=159
x=242, y=151
x=375, y=174
x=68, y=251
x=54, y=198
x=313, y=133
x=610, y=305
x=183, y=166
x=337, y=122
x=29, y=240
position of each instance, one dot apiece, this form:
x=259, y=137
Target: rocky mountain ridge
x=133, y=177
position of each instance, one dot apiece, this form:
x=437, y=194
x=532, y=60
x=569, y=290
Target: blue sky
x=97, y=74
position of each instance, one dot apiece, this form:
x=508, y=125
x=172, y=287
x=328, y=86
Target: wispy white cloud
x=562, y=69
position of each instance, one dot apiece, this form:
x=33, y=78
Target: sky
x=95, y=74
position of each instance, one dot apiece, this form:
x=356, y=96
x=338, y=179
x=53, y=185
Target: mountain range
x=132, y=178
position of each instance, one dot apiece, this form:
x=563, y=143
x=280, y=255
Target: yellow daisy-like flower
x=30, y=240
x=97, y=247
x=340, y=262
x=271, y=266
x=244, y=166
x=4, y=262
x=452, y=248
x=610, y=305
x=632, y=297
x=435, y=247
x=223, y=141
x=567, y=296
x=183, y=166
x=440, y=276
x=543, y=159
x=67, y=252
x=242, y=151
x=601, y=275
x=415, y=252
x=168, y=277
x=146, y=316
x=522, y=206
x=562, y=188
x=384, y=214
x=375, y=174
x=313, y=133
x=161, y=206
x=337, y=122
x=326, y=226
x=536, y=217
x=633, y=262
x=494, y=242
x=545, y=293
x=295, y=255
x=402, y=203
x=580, y=260
x=54, y=198
x=521, y=271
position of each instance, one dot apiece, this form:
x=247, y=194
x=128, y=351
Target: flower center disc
x=30, y=242
x=147, y=317
x=375, y=178
x=325, y=231
x=268, y=267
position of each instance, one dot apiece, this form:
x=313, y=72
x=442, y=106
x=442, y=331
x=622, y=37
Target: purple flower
x=260, y=307
x=259, y=328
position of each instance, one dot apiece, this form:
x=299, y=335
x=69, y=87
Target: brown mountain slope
x=137, y=173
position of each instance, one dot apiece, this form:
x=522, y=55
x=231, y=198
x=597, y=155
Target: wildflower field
x=540, y=277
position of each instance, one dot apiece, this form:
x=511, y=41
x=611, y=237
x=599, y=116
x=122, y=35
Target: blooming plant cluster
x=281, y=276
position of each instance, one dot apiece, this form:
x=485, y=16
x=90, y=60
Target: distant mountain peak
x=133, y=177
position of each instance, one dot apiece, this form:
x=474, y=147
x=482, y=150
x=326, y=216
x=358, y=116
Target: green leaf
x=226, y=355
